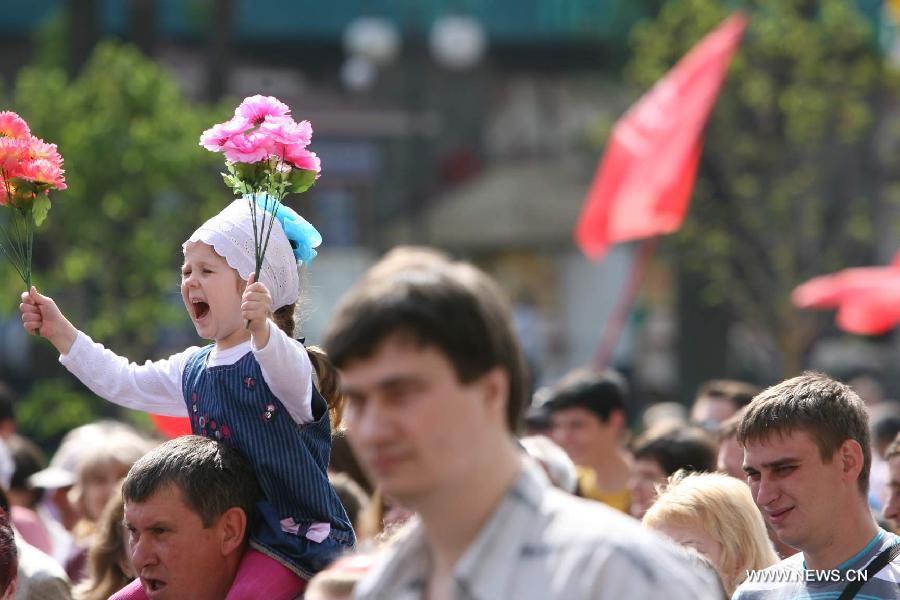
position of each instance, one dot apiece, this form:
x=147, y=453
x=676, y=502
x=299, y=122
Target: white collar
x=229, y=356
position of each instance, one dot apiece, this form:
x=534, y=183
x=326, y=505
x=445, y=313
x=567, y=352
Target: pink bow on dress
x=316, y=532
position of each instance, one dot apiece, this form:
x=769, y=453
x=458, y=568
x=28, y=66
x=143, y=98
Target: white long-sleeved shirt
x=155, y=386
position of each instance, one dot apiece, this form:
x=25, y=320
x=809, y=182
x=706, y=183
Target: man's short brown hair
x=211, y=477
x=601, y=393
x=451, y=306
x=828, y=410
x=677, y=447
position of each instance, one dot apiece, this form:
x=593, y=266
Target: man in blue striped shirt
x=807, y=455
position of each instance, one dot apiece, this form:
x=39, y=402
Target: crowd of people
x=409, y=459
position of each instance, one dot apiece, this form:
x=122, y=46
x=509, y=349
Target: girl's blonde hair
x=722, y=507
x=107, y=555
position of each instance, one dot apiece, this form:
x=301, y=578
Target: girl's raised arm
x=40, y=314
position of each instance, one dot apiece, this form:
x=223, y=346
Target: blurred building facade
x=469, y=126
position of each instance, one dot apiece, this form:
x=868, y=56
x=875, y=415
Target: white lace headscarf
x=230, y=233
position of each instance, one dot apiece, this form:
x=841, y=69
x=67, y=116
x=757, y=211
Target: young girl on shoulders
x=254, y=388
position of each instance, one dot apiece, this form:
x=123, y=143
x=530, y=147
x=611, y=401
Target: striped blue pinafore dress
x=233, y=404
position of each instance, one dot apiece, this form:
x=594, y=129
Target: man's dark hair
x=828, y=410
x=212, y=477
x=602, y=393
x=678, y=447
x=884, y=422
x=29, y=459
x=738, y=393
x=894, y=449
x=453, y=307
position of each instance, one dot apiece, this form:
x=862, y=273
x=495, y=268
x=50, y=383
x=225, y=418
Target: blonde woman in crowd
x=100, y=469
x=109, y=568
x=716, y=515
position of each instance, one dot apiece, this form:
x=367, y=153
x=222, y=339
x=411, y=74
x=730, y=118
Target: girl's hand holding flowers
x=256, y=304
x=40, y=313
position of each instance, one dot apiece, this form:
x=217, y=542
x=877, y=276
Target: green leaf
x=253, y=174
x=39, y=209
x=301, y=180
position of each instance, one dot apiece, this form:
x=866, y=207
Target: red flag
x=643, y=185
x=171, y=427
x=867, y=298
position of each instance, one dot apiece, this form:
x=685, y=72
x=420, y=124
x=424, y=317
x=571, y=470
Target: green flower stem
x=269, y=232
x=252, y=206
x=29, y=245
x=18, y=244
x=12, y=249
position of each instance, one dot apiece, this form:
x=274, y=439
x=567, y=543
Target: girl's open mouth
x=201, y=309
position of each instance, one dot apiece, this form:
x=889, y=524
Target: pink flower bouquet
x=29, y=169
x=266, y=157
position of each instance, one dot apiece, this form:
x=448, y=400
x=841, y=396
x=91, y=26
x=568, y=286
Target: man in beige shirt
x=435, y=385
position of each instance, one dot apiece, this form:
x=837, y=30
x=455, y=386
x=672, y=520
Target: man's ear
x=616, y=420
x=232, y=529
x=496, y=391
x=851, y=456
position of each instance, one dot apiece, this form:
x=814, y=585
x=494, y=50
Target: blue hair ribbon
x=303, y=237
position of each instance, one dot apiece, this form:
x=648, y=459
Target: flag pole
x=614, y=325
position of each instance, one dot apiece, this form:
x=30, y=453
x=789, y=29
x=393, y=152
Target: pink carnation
x=284, y=130
x=214, y=138
x=41, y=170
x=247, y=148
x=12, y=152
x=38, y=148
x=302, y=158
x=256, y=108
x=12, y=125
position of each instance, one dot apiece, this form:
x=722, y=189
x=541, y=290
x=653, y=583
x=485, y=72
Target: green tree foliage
x=53, y=407
x=139, y=183
x=110, y=249
x=793, y=181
